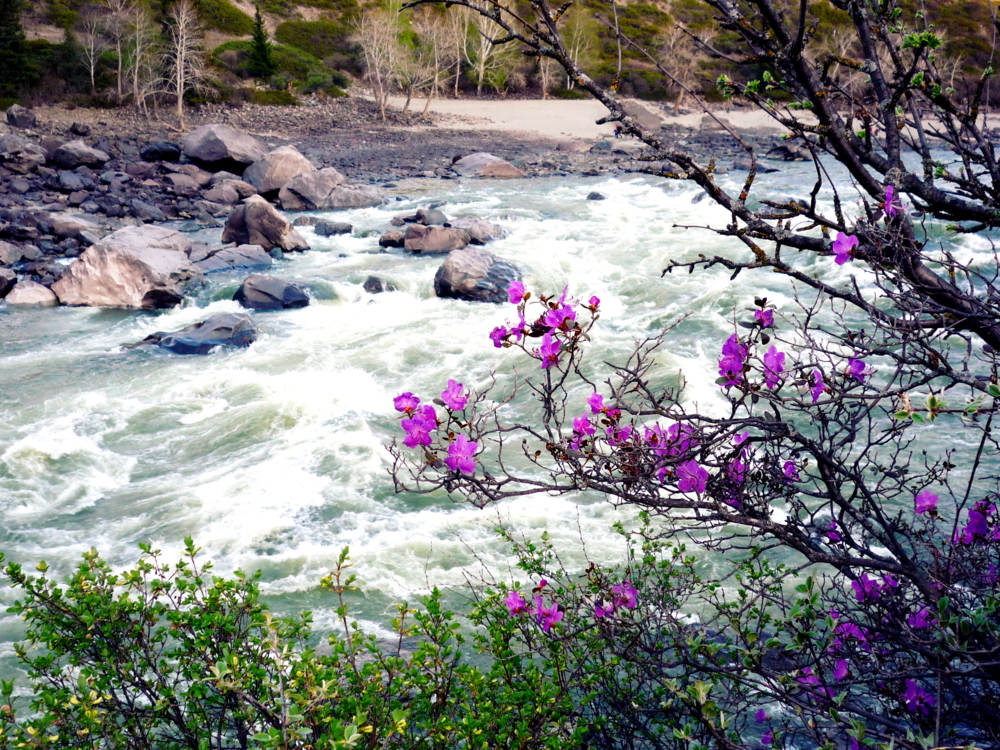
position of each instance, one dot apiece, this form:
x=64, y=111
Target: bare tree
x=683, y=53
x=117, y=29
x=456, y=32
x=142, y=69
x=489, y=61
x=184, y=59
x=378, y=35
x=91, y=32
x=433, y=52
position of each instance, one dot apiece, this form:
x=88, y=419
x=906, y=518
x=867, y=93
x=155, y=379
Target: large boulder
x=21, y=117
x=78, y=154
x=433, y=239
x=9, y=253
x=647, y=120
x=331, y=228
x=324, y=190
x=31, y=294
x=162, y=151
x=135, y=267
x=19, y=155
x=229, y=192
x=392, y=238
x=257, y=222
x=224, y=329
x=229, y=258
x=476, y=275
x=276, y=169
x=482, y=164
x=66, y=226
x=260, y=292
x=221, y=147
x=8, y=280
x=480, y=230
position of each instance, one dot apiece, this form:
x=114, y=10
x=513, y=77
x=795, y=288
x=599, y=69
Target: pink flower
x=840, y=669
x=418, y=428
x=547, y=616
x=406, y=402
x=498, y=334
x=892, y=205
x=460, y=455
x=976, y=529
x=925, y=502
x=625, y=595
x=454, y=396
x=515, y=292
x=594, y=302
x=560, y=317
x=619, y=435
x=691, y=477
x=583, y=426
x=764, y=318
x=921, y=619
x=596, y=403
x=791, y=472
x=515, y=603
x=843, y=247
x=774, y=365
x=857, y=369
x=549, y=351
x=734, y=356
x=917, y=699
x=866, y=588
x=818, y=385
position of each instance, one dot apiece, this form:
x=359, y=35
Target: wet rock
x=276, y=169
x=482, y=164
x=480, y=231
x=595, y=196
x=375, y=285
x=77, y=153
x=8, y=280
x=224, y=329
x=260, y=292
x=305, y=221
x=21, y=117
x=788, y=152
x=428, y=216
x=229, y=258
x=331, y=228
x=217, y=147
x=324, y=190
x=392, y=238
x=162, y=151
x=257, y=222
x=475, y=275
x=20, y=156
x=9, y=254
x=427, y=240
x=31, y=294
x=135, y=267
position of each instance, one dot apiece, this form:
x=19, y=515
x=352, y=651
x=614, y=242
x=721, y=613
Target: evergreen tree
x=261, y=63
x=13, y=48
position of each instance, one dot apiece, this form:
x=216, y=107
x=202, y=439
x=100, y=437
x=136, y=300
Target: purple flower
x=737, y=471
x=515, y=292
x=917, y=699
x=791, y=472
x=921, y=619
x=498, y=334
x=406, y=402
x=818, y=385
x=774, y=365
x=857, y=369
x=594, y=301
x=831, y=533
x=976, y=528
x=892, y=205
x=691, y=477
x=583, y=426
x=808, y=677
x=547, y=616
x=760, y=717
x=460, y=455
x=549, y=351
x=734, y=356
x=560, y=316
x=925, y=502
x=515, y=603
x=741, y=437
x=764, y=318
x=842, y=247
x=625, y=595
x=596, y=403
x=600, y=611
x=866, y=588
x=619, y=435
x=418, y=427
x=454, y=396
x=767, y=738
x=840, y=669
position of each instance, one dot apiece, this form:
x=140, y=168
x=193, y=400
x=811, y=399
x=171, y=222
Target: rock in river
x=31, y=294
x=276, y=169
x=224, y=329
x=475, y=275
x=260, y=292
x=257, y=222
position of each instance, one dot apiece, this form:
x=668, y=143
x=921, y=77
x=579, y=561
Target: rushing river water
x=272, y=457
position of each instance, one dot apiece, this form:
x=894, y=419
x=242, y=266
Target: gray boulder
x=428, y=216
x=19, y=155
x=77, y=153
x=224, y=329
x=66, y=226
x=147, y=212
x=480, y=230
x=31, y=294
x=260, y=292
x=143, y=267
x=257, y=222
x=646, y=119
x=475, y=275
x=392, y=238
x=21, y=117
x=230, y=192
x=229, y=258
x=428, y=240
x=276, y=169
x=9, y=253
x=331, y=228
x=482, y=164
x=162, y=151
x=324, y=190
x=8, y=279
x=183, y=184
x=221, y=147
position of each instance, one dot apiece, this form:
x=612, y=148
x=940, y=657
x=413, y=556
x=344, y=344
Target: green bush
x=298, y=64
x=326, y=84
x=564, y=93
x=318, y=38
x=273, y=98
x=292, y=63
x=6, y=102
x=224, y=16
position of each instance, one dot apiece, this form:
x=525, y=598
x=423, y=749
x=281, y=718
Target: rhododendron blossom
x=691, y=477
x=734, y=356
x=460, y=455
x=454, y=396
x=774, y=365
x=843, y=248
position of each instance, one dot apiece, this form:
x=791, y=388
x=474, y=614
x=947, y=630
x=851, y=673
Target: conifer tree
x=13, y=49
x=261, y=63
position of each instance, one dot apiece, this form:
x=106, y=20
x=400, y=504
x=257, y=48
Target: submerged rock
x=210, y=260
x=260, y=292
x=224, y=329
x=480, y=230
x=434, y=239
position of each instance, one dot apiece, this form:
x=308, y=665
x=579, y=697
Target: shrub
x=326, y=84
x=224, y=16
x=318, y=38
x=273, y=98
x=564, y=93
